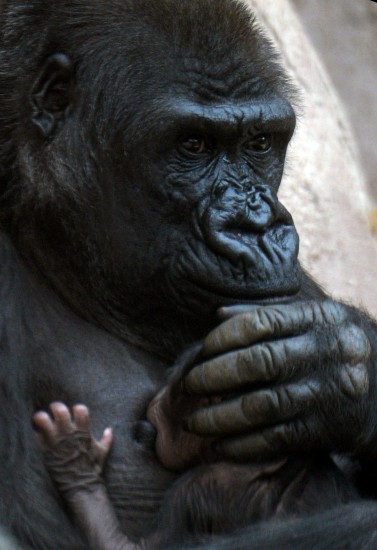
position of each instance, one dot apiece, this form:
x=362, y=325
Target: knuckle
x=307, y=311
x=264, y=320
x=354, y=380
x=312, y=391
x=249, y=408
x=249, y=323
x=292, y=433
x=268, y=364
x=333, y=312
x=261, y=407
x=287, y=401
x=245, y=365
x=251, y=364
x=268, y=318
x=354, y=344
x=273, y=402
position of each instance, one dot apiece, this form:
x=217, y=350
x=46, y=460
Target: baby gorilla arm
x=75, y=461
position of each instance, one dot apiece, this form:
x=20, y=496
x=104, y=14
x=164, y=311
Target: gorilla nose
x=253, y=211
x=259, y=213
x=238, y=219
x=248, y=207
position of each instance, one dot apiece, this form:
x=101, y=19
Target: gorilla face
x=213, y=231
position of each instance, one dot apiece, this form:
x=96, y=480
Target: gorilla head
x=148, y=149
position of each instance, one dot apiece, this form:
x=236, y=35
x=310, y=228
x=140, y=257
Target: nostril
x=253, y=199
x=254, y=209
x=258, y=214
x=255, y=218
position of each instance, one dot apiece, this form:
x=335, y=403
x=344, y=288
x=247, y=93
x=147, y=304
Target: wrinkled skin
x=142, y=146
x=226, y=495
x=271, y=381
x=309, y=374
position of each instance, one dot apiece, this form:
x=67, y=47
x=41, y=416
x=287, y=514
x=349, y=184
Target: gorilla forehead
x=208, y=49
x=195, y=53
x=214, y=46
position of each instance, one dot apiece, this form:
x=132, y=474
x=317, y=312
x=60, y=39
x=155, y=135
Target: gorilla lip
x=230, y=299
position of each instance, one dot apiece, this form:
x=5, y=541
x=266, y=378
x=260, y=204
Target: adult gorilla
x=142, y=145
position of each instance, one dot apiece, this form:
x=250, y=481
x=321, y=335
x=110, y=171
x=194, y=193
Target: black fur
x=136, y=198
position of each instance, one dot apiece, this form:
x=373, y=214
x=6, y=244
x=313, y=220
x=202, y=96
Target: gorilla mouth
x=228, y=295
x=215, y=279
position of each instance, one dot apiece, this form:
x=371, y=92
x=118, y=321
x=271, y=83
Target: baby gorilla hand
x=73, y=457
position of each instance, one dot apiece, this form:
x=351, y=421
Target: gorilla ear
x=52, y=94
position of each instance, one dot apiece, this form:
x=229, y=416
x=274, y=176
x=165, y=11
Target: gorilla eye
x=195, y=144
x=260, y=143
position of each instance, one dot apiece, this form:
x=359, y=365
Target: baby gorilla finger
x=62, y=417
x=106, y=440
x=45, y=425
x=81, y=417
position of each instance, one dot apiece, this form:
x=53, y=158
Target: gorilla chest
x=117, y=384
x=135, y=480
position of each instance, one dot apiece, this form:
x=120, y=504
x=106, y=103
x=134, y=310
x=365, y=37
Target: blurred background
x=344, y=33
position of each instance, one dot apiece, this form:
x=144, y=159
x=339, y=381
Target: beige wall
x=345, y=34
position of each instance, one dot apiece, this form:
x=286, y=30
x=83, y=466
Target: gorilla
x=149, y=271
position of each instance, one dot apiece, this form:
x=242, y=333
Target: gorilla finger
x=354, y=380
x=81, y=417
x=253, y=410
x=227, y=312
x=270, y=443
x=107, y=440
x=279, y=320
x=62, y=417
x=266, y=362
x=45, y=425
x=353, y=344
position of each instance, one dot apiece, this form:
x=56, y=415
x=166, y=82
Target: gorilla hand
x=294, y=378
x=73, y=457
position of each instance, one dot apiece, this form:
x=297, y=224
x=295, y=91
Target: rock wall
x=345, y=34
x=324, y=186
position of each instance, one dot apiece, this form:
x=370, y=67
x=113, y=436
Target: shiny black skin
x=142, y=146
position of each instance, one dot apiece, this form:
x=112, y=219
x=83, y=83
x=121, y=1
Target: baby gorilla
x=210, y=498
